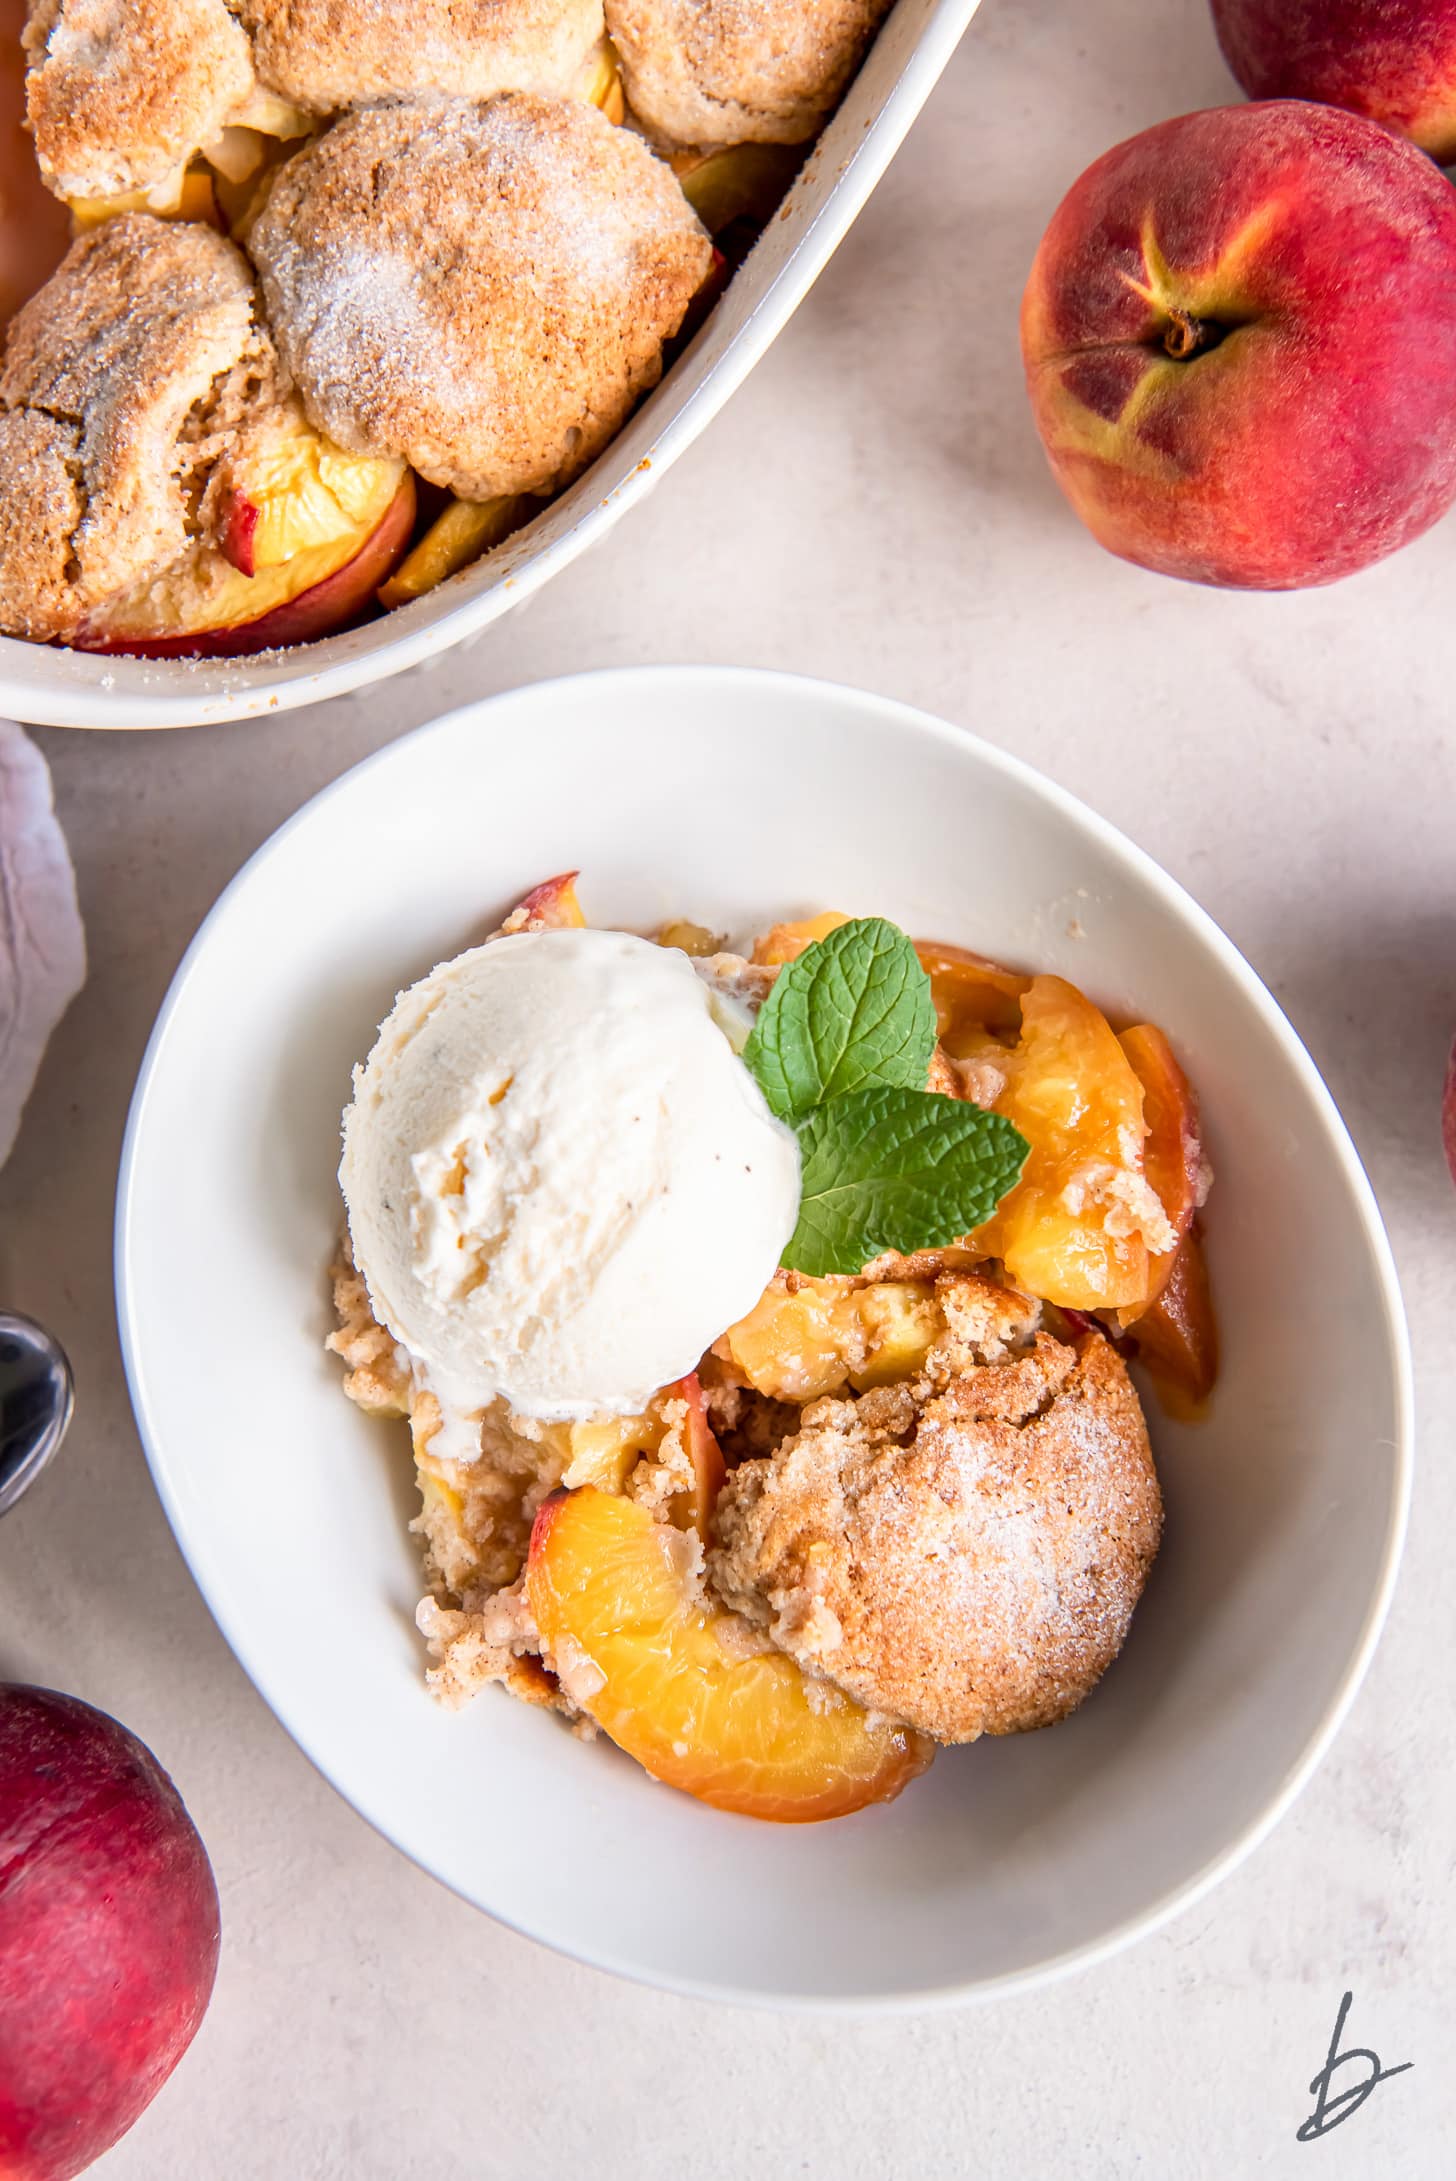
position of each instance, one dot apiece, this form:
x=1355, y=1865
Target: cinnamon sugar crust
x=121, y=93
x=704, y=72
x=968, y=1560
x=481, y=289
x=123, y=384
x=325, y=55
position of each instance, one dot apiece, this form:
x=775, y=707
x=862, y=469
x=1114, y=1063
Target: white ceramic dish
x=1012, y=1859
x=70, y=689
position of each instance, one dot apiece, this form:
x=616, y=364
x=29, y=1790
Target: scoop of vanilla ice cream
x=562, y=1184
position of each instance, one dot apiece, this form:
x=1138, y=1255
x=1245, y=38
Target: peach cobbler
x=353, y=292
x=762, y=1324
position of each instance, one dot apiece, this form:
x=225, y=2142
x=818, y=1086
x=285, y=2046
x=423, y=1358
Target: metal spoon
x=36, y=1399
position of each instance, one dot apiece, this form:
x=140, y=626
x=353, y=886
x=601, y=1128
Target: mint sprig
x=852, y=1012
x=893, y=1169
x=841, y=1051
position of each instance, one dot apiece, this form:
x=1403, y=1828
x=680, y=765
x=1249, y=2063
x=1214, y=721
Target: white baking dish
x=72, y=689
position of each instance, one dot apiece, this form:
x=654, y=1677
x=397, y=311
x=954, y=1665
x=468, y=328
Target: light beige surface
x=872, y=507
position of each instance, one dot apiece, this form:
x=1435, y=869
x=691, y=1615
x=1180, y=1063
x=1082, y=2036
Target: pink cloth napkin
x=42, y=943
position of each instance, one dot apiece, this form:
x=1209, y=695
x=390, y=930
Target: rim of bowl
x=1174, y=900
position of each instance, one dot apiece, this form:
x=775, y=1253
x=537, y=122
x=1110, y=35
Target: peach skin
x=1394, y=60
x=1240, y=345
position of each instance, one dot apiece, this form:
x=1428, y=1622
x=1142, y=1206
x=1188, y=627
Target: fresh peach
x=108, y=1932
x=683, y=1686
x=1240, y=343
x=290, y=603
x=1394, y=60
x=1173, y=1153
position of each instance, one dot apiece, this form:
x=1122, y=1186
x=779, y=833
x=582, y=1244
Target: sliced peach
x=970, y=993
x=190, y=196
x=295, y=490
x=786, y=942
x=206, y=608
x=736, y=181
x=796, y=1344
x=600, y=81
x=551, y=906
x=605, y=1451
x=459, y=535
x=695, y=939
x=1173, y=1153
x=693, y=1509
x=656, y=1665
x=1068, y=1231
x=1176, y=1337
x=901, y=1321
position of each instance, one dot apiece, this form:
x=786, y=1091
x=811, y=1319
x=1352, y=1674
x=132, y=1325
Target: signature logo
x=1330, y=2108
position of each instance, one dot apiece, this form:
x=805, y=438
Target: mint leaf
x=897, y=1169
x=854, y=1011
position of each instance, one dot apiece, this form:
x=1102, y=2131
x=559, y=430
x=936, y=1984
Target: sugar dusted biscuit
x=122, y=380
x=701, y=72
x=325, y=55
x=121, y=93
x=481, y=289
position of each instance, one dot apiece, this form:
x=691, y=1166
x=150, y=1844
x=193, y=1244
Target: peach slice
x=459, y=535
x=694, y=939
x=1173, y=1153
x=693, y=1509
x=1069, y=1231
x=551, y=906
x=786, y=942
x=1176, y=1337
x=600, y=81
x=604, y=1451
x=797, y=1344
x=190, y=197
x=205, y=607
x=971, y=994
x=675, y=1681
x=736, y=181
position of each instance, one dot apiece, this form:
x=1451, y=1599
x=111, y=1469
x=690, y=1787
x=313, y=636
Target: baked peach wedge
x=1073, y=1229
x=1173, y=1154
x=301, y=537
x=681, y=1684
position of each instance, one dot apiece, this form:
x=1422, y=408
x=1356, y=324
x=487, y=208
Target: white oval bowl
x=732, y=799
x=59, y=688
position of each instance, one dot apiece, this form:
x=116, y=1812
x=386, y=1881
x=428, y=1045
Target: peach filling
x=801, y=1343
x=686, y=1687
x=297, y=515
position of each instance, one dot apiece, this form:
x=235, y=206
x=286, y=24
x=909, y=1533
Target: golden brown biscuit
x=120, y=95
x=483, y=290
x=122, y=382
x=967, y=1562
x=324, y=55
x=702, y=72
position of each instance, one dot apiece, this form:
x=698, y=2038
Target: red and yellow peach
x=1240, y=345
